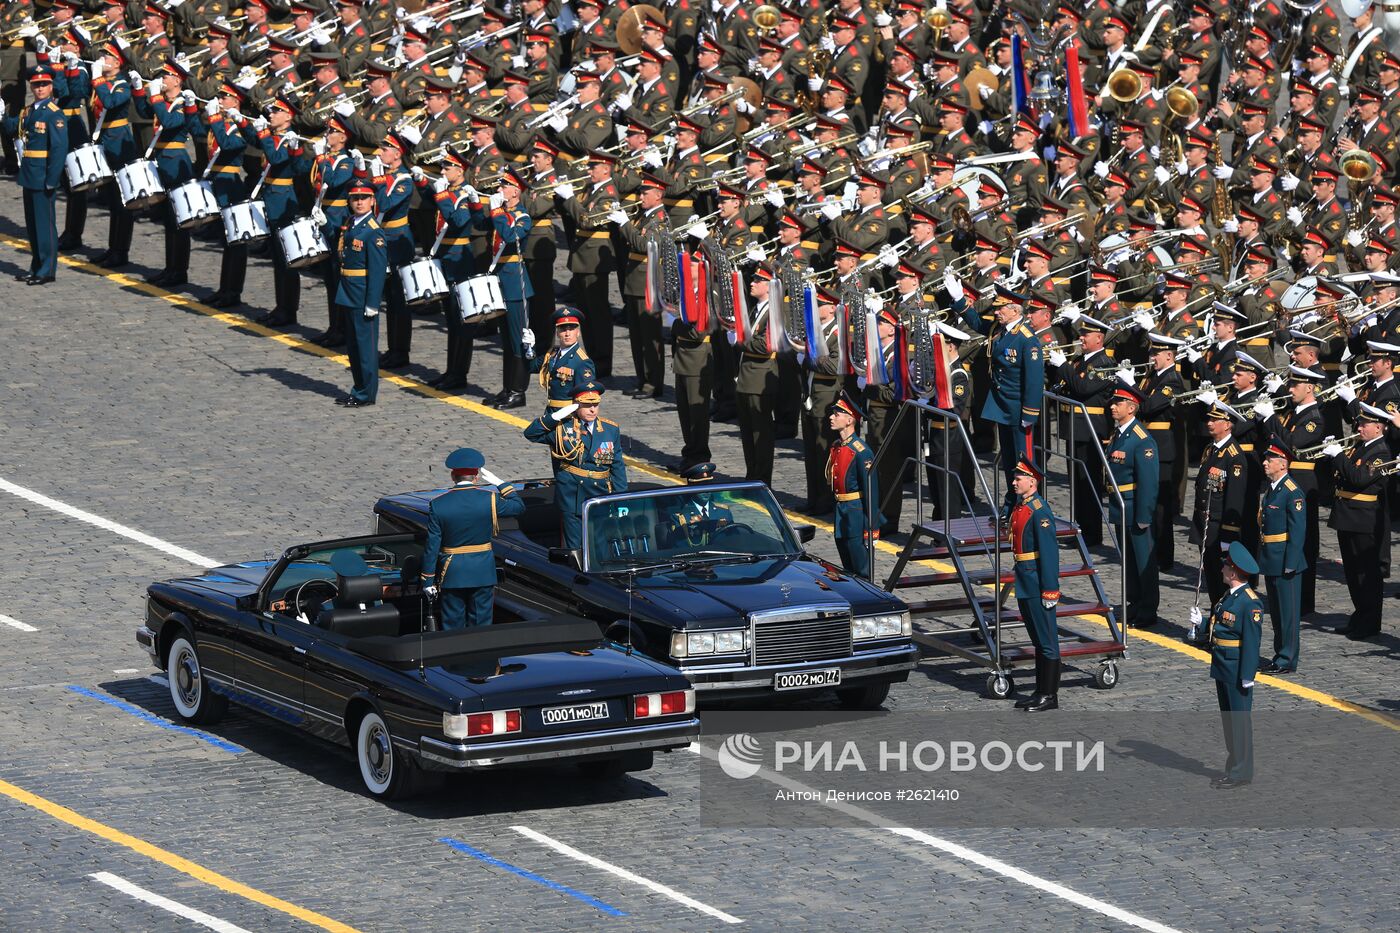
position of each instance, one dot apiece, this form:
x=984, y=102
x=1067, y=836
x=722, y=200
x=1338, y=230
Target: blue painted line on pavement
x=526, y=873
x=154, y=720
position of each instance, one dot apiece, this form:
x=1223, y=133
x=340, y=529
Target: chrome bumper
x=520, y=751
x=147, y=640
x=886, y=663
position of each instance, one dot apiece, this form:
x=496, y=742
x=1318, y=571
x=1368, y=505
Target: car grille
x=795, y=640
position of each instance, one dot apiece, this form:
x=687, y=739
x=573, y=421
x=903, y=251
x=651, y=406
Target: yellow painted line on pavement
x=412, y=385
x=171, y=860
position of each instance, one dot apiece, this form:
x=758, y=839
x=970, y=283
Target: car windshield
x=686, y=524
x=382, y=558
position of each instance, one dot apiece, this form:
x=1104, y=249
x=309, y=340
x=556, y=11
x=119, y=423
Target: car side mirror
x=805, y=532
x=247, y=603
x=563, y=556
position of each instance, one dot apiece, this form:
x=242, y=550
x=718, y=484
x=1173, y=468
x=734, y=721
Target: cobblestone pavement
x=221, y=438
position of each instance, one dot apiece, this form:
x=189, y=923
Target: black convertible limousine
x=709, y=578
x=347, y=658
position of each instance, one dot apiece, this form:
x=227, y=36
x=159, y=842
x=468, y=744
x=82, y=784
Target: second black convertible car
x=712, y=579
x=329, y=638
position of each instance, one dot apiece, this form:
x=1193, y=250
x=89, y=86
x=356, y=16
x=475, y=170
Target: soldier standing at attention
x=461, y=523
x=850, y=471
x=363, y=256
x=1220, y=495
x=1037, y=574
x=587, y=456
x=1361, y=519
x=1283, y=530
x=1235, y=623
x=1133, y=463
x=43, y=135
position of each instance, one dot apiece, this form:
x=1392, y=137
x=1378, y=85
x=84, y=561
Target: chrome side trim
x=847, y=676
x=489, y=754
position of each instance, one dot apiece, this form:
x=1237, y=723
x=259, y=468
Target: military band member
x=1236, y=619
x=1220, y=495
x=331, y=174
x=823, y=387
x=591, y=259
x=509, y=226
x=1037, y=572
x=947, y=456
x=643, y=321
x=1161, y=387
x=882, y=403
x=363, y=258
x=393, y=195
x=1091, y=381
x=112, y=103
x=459, y=569
x=286, y=159
x=1136, y=470
x=1282, y=526
x=225, y=174
x=1361, y=519
x=456, y=206
x=174, y=113
x=850, y=471
x=757, y=383
x=41, y=131
x=586, y=452
x=565, y=366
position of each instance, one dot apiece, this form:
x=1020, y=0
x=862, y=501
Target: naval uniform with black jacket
x=1219, y=513
x=943, y=444
x=755, y=388
x=823, y=387
x=1299, y=428
x=882, y=405
x=1158, y=415
x=1090, y=380
x=1361, y=520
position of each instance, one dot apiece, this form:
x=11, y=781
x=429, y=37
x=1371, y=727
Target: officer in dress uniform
x=1282, y=531
x=454, y=252
x=458, y=566
x=1037, y=572
x=693, y=521
x=823, y=388
x=42, y=134
x=586, y=452
x=1091, y=381
x=1235, y=623
x=331, y=175
x=174, y=113
x=362, y=252
x=1299, y=426
x=850, y=471
x=1361, y=519
x=757, y=384
x=1135, y=467
x=1220, y=496
x=566, y=365
x=1160, y=387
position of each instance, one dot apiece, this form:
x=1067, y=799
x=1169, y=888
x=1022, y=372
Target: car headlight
x=690, y=644
x=886, y=625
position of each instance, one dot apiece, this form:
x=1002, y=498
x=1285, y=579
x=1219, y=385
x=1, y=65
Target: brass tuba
x=852, y=298
x=1358, y=165
x=1124, y=85
x=917, y=322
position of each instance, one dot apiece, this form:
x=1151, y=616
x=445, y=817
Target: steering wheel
x=727, y=529
x=310, y=595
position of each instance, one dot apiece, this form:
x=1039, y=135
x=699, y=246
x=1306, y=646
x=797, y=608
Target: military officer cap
x=1379, y=350
x=156, y=10
x=919, y=214
x=1116, y=22
x=1142, y=222
x=116, y=52
x=1222, y=412
x=846, y=248
x=437, y=84
x=1116, y=178
x=948, y=105
x=901, y=49
x=1298, y=373
x=1199, y=138
x=1314, y=236
x=566, y=317
x=652, y=182
x=335, y=123
x=789, y=219
x=1091, y=325
x=1247, y=212
x=825, y=296
x=1248, y=364
x=906, y=271
x=1129, y=127
x=361, y=189
x=1304, y=85
x=1239, y=556
x=329, y=58
x=40, y=75
x=1369, y=92
x=354, y=3
x=1303, y=338
x=1123, y=391
x=699, y=473
x=840, y=20
x=1173, y=282
x=1039, y=301
x=1164, y=342
x=844, y=404
x=1324, y=173
x=1372, y=413
x=589, y=393
x=379, y=68
x=984, y=243
x=1259, y=254
x=1026, y=468
x=347, y=563
x=411, y=33
x=1025, y=124
x=457, y=157
x=1264, y=161
x=1189, y=58
x=1377, y=245
x=540, y=144
x=1102, y=274
x=952, y=333
x=727, y=193
x=1039, y=249
x=1006, y=296
x=887, y=315
x=1054, y=207
x=283, y=42
x=177, y=66
x=1256, y=63
x=513, y=176
x=637, y=128
x=1142, y=67
x=1390, y=63
x=769, y=45
x=465, y=458
x=287, y=103
x=1070, y=149
x=1222, y=310
x=303, y=6
x=1278, y=448
x=602, y=46
x=1202, y=10
x=1188, y=203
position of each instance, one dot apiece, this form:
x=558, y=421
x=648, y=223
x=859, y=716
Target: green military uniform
x=1235, y=623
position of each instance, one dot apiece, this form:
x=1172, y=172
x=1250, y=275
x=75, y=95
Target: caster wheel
x=999, y=686
x=1106, y=677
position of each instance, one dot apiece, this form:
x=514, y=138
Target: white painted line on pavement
x=961, y=852
x=165, y=903
x=626, y=875
x=16, y=623
x=126, y=670
x=165, y=547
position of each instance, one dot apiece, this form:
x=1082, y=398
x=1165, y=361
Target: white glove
x=1071, y=313
x=418, y=174
x=1143, y=320
x=743, y=106
x=716, y=5
x=1344, y=90
x=1180, y=166
x=848, y=191
x=827, y=43
x=358, y=158
x=814, y=84
x=1193, y=355
x=617, y=218
x=70, y=60
x=1346, y=393
x=491, y=478
x=495, y=201
x=2, y=109
x=1126, y=375
x=1295, y=216
x=1231, y=226
x=518, y=62
x=1332, y=450
x=559, y=122
x=1196, y=618
x=187, y=98
x=888, y=257
x=290, y=138
x=774, y=196
x=986, y=126
x=1223, y=172
x=1161, y=174
x=41, y=42
x=883, y=19
x=344, y=106
x=439, y=185
x=231, y=114
x=652, y=158
x=135, y=78
x=831, y=210
x=318, y=217
x=321, y=36
x=1049, y=603
x=371, y=313
x=473, y=195
x=1273, y=383
x=952, y=285
x=1154, y=151
x=400, y=14
x=1246, y=685
x=31, y=31
x=561, y=413
x=259, y=124
x=98, y=69
x=318, y=146
x=1208, y=397
x=1056, y=358
x=1288, y=181
x=527, y=338
x=1264, y=409
x=1101, y=169
x=153, y=88
x=211, y=109
x=755, y=253
x=984, y=91
x=622, y=102
x=1354, y=238
x=699, y=230
x=430, y=591
x=564, y=192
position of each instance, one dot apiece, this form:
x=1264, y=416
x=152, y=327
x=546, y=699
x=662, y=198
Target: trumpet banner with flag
x=1078, y=110
x=816, y=345
x=943, y=355
x=1020, y=94
x=776, y=338
x=743, y=327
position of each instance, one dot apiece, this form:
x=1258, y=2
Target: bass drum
x=87, y=168
x=194, y=204
x=302, y=243
x=479, y=299
x=245, y=222
x=423, y=281
x=139, y=185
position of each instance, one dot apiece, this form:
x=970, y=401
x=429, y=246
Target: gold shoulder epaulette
x=606, y=421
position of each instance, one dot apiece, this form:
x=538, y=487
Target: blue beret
x=465, y=458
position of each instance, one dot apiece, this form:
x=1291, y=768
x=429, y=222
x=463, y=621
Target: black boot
x=1035, y=697
x=1047, y=692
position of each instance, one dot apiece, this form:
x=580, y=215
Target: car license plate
x=806, y=680
x=583, y=712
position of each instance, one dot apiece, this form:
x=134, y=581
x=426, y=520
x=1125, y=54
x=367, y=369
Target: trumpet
x=1310, y=453
x=1354, y=381
x=1050, y=227
x=738, y=254
x=719, y=101
x=596, y=217
x=10, y=34
x=724, y=177
x=556, y=109
x=1195, y=393
x=566, y=180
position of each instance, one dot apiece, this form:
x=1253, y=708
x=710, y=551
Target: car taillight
x=499, y=722
x=647, y=705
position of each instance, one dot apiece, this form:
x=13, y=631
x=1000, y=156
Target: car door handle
x=299, y=649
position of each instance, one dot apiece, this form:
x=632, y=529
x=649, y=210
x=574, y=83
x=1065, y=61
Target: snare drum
x=245, y=222
x=87, y=168
x=423, y=281
x=194, y=204
x=479, y=299
x=139, y=184
x=302, y=243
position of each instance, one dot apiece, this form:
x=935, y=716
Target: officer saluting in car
x=587, y=456
x=461, y=523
